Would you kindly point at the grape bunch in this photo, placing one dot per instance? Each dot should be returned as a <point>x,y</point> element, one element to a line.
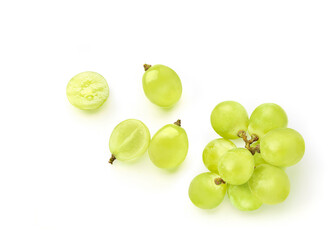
<point>252,175</point>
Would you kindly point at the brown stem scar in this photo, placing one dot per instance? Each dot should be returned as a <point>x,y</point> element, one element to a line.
<point>146,66</point>
<point>113,157</point>
<point>219,181</point>
<point>178,123</point>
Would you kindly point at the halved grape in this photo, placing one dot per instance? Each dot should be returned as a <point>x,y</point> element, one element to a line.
<point>87,90</point>
<point>161,85</point>
<point>207,190</point>
<point>168,147</point>
<point>282,147</point>
<point>213,152</point>
<point>266,117</point>
<point>228,118</point>
<point>129,140</point>
<point>236,166</point>
<point>270,184</point>
<point>242,198</point>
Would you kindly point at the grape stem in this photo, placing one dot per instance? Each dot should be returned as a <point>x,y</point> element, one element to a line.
<point>113,157</point>
<point>146,66</point>
<point>178,123</point>
<point>248,142</point>
<point>219,181</point>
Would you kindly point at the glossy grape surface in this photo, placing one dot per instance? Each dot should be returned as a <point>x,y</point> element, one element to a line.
<point>270,184</point>
<point>266,117</point>
<point>228,118</point>
<point>87,90</point>
<point>258,159</point>
<point>236,166</point>
<point>282,147</point>
<point>162,86</point>
<point>242,198</point>
<point>129,140</point>
<point>168,147</point>
<point>213,152</point>
<point>205,193</point>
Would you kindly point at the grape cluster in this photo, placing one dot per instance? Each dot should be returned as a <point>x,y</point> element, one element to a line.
<point>252,175</point>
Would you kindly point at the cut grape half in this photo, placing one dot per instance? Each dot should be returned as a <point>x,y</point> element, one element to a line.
<point>87,90</point>
<point>129,140</point>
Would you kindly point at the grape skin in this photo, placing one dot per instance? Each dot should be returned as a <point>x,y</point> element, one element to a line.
<point>87,90</point>
<point>205,193</point>
<point>282,147</point>
<point>236,166</point>
<point>129,140</point>
<point>169,146</point>
<point>228,118</point>
<point>162,86</point>
<point>270,184</point>
<point>213,152</point>
<point>266,117</point>
<point>242,198</point>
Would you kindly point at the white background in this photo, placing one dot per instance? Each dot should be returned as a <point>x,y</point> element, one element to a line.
<point>55,180</point>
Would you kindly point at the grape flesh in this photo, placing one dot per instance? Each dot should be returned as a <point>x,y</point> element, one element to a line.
<point>228,118</point>
<point>214,151</point>
<point>242,198</point>
<point>162,86</point>
<point>236,166</point>
<point>87,90</point>
<point>282,147</point>
<point>129,140</point>
<point>270,184</point>
<point>266,117</point>
<point>168,147</point>
<point>204,191</point>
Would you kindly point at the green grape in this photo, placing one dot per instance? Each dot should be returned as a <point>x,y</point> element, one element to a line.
<point>282,147</point>
<point>270,184</point>
<point>236,166</point>
<point>161,85</point>
<point>207,190</point>
<point>242,198</point>
<point>257,156</point>
<point>129,140</point>
<point>267,117</point>
<point>213,152</point>
<point>228,118</point>
<point>168,147</point>
<point>87,90</point>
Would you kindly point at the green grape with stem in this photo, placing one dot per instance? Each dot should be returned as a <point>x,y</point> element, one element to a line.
<point>161,85</point>
<point>228,118</point>
<point>169,146</point>
<point>207,190</point>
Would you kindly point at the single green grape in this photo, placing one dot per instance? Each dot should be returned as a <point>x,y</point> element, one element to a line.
<point>242,198</point>
<point>228,118</point>
<point>161,85</point>
<point>258,159</point>
<point>207,190</point>
<point>266,117</point>
<point>270,184</point>
<point>87,90</point>
<point>129,140</point>
<point>168,147</point>
<point>236,166</point>
<point>213,152</point>
<point>282,147</point>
